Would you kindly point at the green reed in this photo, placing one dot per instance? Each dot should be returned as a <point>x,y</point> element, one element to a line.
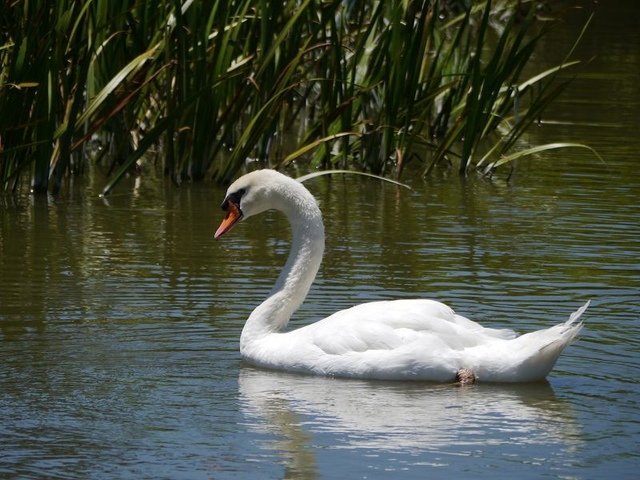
<point>209,85</point>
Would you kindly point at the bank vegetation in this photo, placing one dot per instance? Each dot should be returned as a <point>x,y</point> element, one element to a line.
<point>203,88</point>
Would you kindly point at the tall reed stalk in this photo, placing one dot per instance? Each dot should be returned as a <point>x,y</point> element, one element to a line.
<point>361,85</point>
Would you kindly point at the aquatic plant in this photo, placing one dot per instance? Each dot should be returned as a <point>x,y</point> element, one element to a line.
<point>208,85</point>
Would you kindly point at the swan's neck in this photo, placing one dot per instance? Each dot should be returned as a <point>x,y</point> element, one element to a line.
<point>295,279</point>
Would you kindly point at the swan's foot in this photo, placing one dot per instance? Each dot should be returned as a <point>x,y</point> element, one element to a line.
<point>464,376</point>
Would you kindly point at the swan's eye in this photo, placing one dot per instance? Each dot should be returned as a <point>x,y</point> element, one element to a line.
<point>233,198</point>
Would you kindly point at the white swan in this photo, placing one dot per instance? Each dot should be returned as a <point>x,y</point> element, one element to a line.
<point>393,340</point>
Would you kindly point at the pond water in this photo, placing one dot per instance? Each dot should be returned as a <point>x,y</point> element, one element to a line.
<point>120,317</point>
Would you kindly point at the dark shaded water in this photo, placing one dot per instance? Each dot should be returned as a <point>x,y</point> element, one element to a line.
<point>120,318</point>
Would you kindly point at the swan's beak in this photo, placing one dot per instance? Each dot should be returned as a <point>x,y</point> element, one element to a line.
<point>234,214</point>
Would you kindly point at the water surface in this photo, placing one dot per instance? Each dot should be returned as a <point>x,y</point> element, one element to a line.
<point>120,317</point>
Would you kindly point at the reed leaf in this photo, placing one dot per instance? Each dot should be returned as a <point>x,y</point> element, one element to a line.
<point>313,175</point>
<point>114,83</point>
<point>310,146</point>
<point>542,148</point>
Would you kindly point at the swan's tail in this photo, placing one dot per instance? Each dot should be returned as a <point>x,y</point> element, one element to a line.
<point>548,344</point>
<point>530,357</point>
<point>576,315</point>
<point>566,332</point>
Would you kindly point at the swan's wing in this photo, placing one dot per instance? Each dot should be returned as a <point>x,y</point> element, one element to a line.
<point>395,324</point>
<point>427,310</point>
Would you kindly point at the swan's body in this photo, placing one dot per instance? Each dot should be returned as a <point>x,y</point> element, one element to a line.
<point>393,340</point>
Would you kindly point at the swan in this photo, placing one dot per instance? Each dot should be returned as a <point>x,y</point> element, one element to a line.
<point>388,340</point>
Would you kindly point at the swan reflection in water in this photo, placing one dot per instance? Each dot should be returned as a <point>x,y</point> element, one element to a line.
<point>399,416</point>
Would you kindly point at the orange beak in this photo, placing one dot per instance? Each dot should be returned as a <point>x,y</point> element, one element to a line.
<point>230,219</point>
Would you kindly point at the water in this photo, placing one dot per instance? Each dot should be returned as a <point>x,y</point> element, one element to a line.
<point>120,318</point>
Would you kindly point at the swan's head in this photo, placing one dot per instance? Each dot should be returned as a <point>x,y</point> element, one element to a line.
<point>257,192</point>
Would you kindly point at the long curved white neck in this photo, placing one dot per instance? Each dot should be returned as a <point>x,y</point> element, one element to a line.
<point>295,279</point>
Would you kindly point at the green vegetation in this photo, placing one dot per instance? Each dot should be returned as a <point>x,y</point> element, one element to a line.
<point>340,84</point>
